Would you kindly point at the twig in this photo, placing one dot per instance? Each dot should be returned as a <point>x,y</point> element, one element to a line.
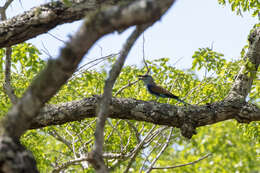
<point>137,134</point>
<point>177,61</point>
<point>57,136</point>
<point>127,144</point>
<point>114,128</point>
<point>101,50</point>
<point>162,150</point>
<point>45,50</point>
<point>198,86</point>
<point>101,58</point>
<point>148,70</point>
<point>82,70</point>
<point>186,164</point>
<point>126,86</point>
<point>143,47</point>
<point>82,159</point>
<point>150,152</point>
<point>57,38</point>
<point>137,149</point>
<point>155,134</point>
<point>69,163</point>
<point>72,143</point>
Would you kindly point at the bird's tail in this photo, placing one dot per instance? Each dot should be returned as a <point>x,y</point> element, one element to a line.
<point>182,101</point>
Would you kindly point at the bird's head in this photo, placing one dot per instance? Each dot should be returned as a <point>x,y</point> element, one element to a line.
<point>146,78</point>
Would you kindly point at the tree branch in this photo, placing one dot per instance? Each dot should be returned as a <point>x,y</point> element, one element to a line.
<point>103,110</point>
<point>126,86</point>
<point>7,85</point>
<point>8,53</point>
<point>157,113</point>
<point>43,18</point>
<point>4,8</point>
<point>137,149</point>
<point>186,164</point>
<point>161,151</point>
<point>243,82</point>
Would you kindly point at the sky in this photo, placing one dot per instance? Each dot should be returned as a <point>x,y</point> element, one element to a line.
<point>187,26</point>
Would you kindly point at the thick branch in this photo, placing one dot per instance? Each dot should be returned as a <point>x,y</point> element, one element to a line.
<point>43,18</point>
<point>157,113</point>
<point>243,82</point>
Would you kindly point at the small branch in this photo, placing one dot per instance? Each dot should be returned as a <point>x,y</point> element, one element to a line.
<point>7,85</point>
<point>137,149</point>
<point>146,65</point>
<point>114,128</point>
<point>186,164</point>
<point>82,159</point>
<point>57,38</point>
<point>126,86</point>
<point>162,150</point>
<point>150,152</point>
<point>155,134</point>
<point>137,134</point>
<point>82,69</point>
<point>57,136</point>
<point>73,142</point>
<point>4,8</point>
<point>97,160</point>
<point>7,4</point>
<point>69,163</point>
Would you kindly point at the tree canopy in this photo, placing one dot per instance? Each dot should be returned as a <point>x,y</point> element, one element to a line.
<point>58,116</point>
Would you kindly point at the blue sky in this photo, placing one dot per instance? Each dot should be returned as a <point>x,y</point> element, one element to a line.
<point>187,26</point>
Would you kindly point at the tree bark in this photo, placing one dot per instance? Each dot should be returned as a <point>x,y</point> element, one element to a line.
<point>43,18</point>
<point>157,113</point>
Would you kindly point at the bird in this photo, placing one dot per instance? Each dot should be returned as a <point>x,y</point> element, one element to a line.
<point>157,90</point>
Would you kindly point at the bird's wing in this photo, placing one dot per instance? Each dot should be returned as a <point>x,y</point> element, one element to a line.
<point>160,91</point>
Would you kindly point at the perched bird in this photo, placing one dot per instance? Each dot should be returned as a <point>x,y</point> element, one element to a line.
<point>157,90</point>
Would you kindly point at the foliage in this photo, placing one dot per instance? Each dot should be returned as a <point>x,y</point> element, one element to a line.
<point>234,147</point>
<point>243,5</point>
<point>26,63</point>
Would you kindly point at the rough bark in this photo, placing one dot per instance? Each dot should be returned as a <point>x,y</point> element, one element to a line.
<point>15,158</point>
<point>157,113</point>
<point>43,18</point>
<point>243,82</point>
